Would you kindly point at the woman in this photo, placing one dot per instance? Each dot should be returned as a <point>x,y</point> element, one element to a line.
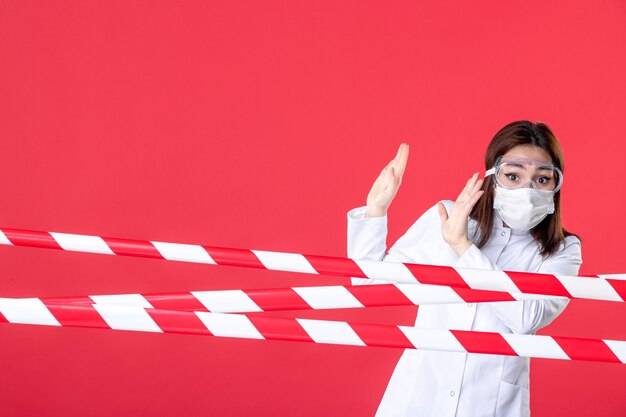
<point>508,221</point>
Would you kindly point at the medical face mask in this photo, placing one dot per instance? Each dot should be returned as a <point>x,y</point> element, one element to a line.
<point>523,208</point>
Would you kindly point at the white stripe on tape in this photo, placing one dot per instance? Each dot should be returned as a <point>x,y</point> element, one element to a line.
<point>229,325</point>
<point>293,262</point>
<point>328,297</point>
<point>487,279</point>
<point>4,240</point>
<point>535,345</point>
<point>183,252</point>
<point>613,276</point>
<point>127,318</point>
<point>27,311</point>
<point>389,271</point>
<point>226,301</point>
<point>429,294</point>
<point>598,289</point>
<point>367,281</point>
<point>432,339</point>
<point>130,300</point>
<point>618,347</point>
<point>331,332</point>
<point>520,296</point>
<point>82,243</point>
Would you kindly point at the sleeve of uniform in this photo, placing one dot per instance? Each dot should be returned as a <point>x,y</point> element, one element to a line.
<point>367,239</point>
<point>527,317</point>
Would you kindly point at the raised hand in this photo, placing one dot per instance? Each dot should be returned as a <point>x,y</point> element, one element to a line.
<point>454,225</point>
<point>386,185</point>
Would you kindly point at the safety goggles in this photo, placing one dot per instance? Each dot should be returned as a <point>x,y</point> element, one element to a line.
<point>515,173</point>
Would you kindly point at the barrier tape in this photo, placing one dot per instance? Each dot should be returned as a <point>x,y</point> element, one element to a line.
<point>33,311</point>
<point>294,298</point>
<point>509,282</point>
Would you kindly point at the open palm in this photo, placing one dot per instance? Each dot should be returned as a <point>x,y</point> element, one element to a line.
<point>387,184</point>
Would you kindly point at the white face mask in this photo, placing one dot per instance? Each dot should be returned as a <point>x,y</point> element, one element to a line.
<point>523,208</point>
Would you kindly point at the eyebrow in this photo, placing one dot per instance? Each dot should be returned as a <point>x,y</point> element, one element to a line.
<point>546,167</point>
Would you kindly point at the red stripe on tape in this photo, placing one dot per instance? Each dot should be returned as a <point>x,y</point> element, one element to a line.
<point>178,322</point>
<point>381,335</point>
<point>538,284</point>
<point>586,349</point>
<point>619,286</point>
<point>31,238</point>
<point>277,299</point>
<point>234,257</point>
<point>482,296</point>
<point>335,266</point>
<point>175,301</point>
<point>280,329</point>
<point>379,295</point>
<point>129,247</point>
<point>437,275</point>
<point>81,314</point>
<point>84,301</point>
<point>483,342</point>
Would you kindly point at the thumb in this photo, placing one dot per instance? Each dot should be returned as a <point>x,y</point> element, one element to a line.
<point>443,213</point>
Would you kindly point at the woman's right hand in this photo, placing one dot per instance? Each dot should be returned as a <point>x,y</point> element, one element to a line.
<point>386,185</point>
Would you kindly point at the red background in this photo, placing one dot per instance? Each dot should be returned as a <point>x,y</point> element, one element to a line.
<point>259,125</point>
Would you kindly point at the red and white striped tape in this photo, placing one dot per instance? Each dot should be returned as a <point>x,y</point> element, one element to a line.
<point>509,282</point>
<point>118,317</point>
<point>294,298</point>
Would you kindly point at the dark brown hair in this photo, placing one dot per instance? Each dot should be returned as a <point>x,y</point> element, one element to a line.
<point>550,232</point>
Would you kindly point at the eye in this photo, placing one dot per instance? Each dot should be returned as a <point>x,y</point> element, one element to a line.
<point>543,180</point>
<point>512,177</point>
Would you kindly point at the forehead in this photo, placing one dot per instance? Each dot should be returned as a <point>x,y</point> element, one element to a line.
<point>528,152</point>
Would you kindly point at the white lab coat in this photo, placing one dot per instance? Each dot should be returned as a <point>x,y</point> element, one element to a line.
<point>446,384</point>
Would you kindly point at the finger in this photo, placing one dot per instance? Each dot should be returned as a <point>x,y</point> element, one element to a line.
<point>392,174</point>
<point>477,186</point>
<point>472,202</point>
<point>400,149</point>
<point>466,192</point>
<point>383,178</point>
<point>472,197</point>
<point>403,158</point>
<point>443,213</point>
<point>395,178</point>
<point>396,159</point>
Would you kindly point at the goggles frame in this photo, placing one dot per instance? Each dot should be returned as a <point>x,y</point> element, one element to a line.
<point>499,163</point>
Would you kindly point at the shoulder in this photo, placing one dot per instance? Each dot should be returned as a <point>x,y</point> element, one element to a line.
<point>570,248</point>
<point>571,245</point>
<point>571,240</point>
<point>432,214</point>
<point>426,223</point>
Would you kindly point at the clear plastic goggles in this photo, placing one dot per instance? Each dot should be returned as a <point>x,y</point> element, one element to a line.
<point>515,173</point>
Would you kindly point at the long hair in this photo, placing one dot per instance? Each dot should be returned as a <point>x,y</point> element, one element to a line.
<point>550,232</point>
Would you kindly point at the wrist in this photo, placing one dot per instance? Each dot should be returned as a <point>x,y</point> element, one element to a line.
<point>375,212</point>
<point>461,247</point>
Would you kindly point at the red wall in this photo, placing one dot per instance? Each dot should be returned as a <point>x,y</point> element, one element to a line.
<point>259,125</point>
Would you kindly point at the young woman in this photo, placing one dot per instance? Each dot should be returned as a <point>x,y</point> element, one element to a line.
<point>510,220</point>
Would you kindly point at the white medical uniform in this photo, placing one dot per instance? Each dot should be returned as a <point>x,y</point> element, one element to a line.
<point>446,384</point>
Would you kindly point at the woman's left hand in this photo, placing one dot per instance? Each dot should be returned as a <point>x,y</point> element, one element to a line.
<point>454,225</point>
